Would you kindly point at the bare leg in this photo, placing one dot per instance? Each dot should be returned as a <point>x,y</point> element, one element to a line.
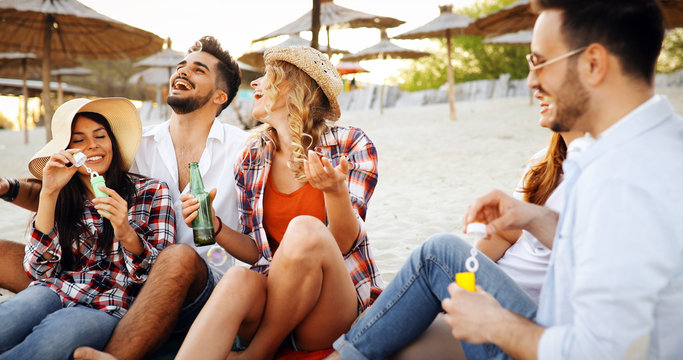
<point>309,291</point>
<point>178,277</point>
<point>237,303</point>
<point>12,275</point>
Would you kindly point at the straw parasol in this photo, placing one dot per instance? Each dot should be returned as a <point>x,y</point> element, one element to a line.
<point>73,71</point>
<point>24,65</point>
<point>384,49</point>
<point>522,37</point>
<point>447,24</point>
<point>255,58</point>
<point>165,61</point>
<point>334,16</point>
<point>67,29</point>
<point>518,16</point>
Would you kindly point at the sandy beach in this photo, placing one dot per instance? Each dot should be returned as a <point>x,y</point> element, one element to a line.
<point>430,168</point>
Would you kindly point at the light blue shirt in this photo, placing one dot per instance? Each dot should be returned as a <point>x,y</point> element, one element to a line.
<point>615,285</point>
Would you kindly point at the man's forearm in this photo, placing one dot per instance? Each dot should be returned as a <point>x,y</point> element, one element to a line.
<point>544,226</point>
<point>518,336</point>
<point>23,192</point>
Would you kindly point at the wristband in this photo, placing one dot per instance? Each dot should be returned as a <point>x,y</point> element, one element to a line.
<point>12,192</point>
<point>220,226</point>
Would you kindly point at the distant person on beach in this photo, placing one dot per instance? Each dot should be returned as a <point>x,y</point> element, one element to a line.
<point>204,83</point>
<point>88,253</point>
<point>613,288</point>
<point>304,186</point>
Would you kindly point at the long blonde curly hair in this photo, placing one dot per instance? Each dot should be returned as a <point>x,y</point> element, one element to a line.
<point>308,109</point>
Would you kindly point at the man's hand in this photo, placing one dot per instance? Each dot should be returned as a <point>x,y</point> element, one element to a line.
<point>503,212</point>
<point>472,315</point>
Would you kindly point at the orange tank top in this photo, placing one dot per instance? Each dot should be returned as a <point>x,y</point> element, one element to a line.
<point>280,208</point>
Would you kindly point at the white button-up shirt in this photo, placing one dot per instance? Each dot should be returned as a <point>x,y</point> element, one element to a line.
<point>156,158</point>
<point>615,285</point>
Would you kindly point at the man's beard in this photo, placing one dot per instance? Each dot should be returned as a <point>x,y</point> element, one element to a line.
<point>571,103</point>
<point>187,105</point>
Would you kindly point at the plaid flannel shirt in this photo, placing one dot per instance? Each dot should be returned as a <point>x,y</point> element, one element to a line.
<point>105,281</point>
<point>251,171</point>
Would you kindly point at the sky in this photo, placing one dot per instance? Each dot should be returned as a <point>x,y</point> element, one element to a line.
<point>236,22</point>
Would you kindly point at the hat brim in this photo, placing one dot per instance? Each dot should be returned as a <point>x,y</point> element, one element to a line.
<point>316,65</point>
<point>123,119</point>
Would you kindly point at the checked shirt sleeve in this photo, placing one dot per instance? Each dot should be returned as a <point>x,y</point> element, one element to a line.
<point>36,264</point>
<point>153,220</point>
<point>362,178</point>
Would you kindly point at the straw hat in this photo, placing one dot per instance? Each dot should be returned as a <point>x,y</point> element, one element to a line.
<point>123,118</point>
<point>316,65</point>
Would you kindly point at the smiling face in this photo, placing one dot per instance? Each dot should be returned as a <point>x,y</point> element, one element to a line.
<point>193,84</point>
<point>265,95</point>
<point>92,139</point>
<point>564,99</point>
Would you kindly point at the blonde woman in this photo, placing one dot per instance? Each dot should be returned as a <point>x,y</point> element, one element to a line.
<point>303,186</point>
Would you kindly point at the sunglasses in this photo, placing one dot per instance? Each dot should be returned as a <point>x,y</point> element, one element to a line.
<point>535,64</point>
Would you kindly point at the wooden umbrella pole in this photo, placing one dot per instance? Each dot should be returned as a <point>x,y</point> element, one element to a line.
<point>449,72</point>
<point>381,93</point>
<point>60,92</point>
<point>24,92</point>
<point>47,48</point>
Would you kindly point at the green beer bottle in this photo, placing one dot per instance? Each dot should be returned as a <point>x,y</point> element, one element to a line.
<point>202,225</point>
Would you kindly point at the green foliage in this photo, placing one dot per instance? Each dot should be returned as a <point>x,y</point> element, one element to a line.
<point>109,78</point>
<point>671,58</point>
<point>472,58</point>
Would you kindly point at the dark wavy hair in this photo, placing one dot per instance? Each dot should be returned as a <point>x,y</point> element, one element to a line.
<point>69,209</point>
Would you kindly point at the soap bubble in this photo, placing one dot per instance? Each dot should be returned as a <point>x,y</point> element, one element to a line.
<point>216,255</point>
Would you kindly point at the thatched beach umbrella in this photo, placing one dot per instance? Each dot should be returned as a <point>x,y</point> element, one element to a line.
<point>350,67</point>
<point>384,49</point>
<point>522,37</point>
<point>334,16</point>
<point>446,25</point>
<point>255,58</point>
<point>73,71</point>
<point>518,16</point>
<point>18,64</point>
<point>165,60</point>
<point>67,29</point>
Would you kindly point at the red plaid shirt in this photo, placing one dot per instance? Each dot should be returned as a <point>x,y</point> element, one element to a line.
<point>251,171</point>
<point>105,281</point>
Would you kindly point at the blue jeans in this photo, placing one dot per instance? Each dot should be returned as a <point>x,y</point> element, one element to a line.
<point>412,300</point>
<point>36,326</point>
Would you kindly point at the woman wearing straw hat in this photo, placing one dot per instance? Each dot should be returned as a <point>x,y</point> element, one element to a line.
<point>303,186</point>
<point>88,255</point>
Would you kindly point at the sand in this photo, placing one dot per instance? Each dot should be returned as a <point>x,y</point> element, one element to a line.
<point>430,168</point>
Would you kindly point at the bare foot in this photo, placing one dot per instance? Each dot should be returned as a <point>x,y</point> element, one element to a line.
<point>88,353</point>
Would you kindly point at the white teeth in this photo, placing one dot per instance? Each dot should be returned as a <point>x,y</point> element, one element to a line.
<point>94,158</point>
<point>181,85</point>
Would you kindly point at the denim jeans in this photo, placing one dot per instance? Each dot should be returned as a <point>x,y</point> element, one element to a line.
<point>412,300</point>
<point>36,326</point>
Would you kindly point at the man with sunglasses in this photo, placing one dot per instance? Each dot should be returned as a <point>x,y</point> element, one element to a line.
<point>181,280</point>
<point>614,288</point>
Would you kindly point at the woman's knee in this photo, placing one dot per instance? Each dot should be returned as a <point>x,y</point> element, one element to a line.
<point>305,237</point>
<point>237,279</point>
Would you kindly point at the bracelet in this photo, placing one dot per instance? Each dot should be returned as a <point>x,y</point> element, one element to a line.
<point>220,226</point>
<point>13,191</point>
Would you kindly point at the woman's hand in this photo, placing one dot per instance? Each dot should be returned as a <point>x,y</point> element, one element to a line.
<point>190,206</point>
<point>115,209</point>
<point>322,176</point>
<point>55,173</point>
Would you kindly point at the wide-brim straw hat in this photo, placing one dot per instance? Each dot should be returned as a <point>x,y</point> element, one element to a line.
<point>316,65</point>
<point>123,119</point>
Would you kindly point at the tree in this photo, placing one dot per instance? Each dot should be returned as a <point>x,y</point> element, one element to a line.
<point>472,58</point>
<point>671,58</point>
